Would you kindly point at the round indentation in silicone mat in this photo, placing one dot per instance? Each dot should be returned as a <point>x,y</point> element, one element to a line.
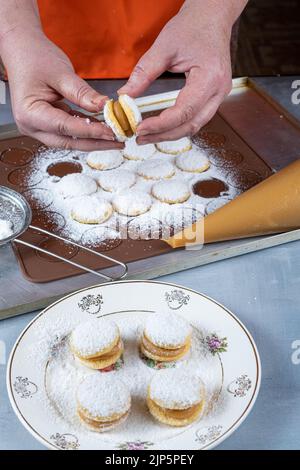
<point>61,169</point>
<point>210,139</point>
<point>48,220</point>
<point>38,198</point>
<point>101,238</point>
<point>24,178</point>
<point>243,179</point>
<point>16,156</point>
<point>225,158</point>
<point>58,247</point>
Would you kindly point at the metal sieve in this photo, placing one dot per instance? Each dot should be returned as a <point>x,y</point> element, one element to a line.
<point>15,209</point>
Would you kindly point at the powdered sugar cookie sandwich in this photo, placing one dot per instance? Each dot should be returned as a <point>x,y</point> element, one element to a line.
<point>194,161</point>
<point>116,180</point>
<point>97,343</point>
<point>132,203</point>
<point>105,159</point>
<point>133,151</point>
<point>175,147</point>
<point>103,402</point>
<point>166,337</point>
<point>91,210</point>
<point>76,184</point>
<point>122,116</point>
<point>171,192</point>
<point>175,397</point>
<point>156,169</point>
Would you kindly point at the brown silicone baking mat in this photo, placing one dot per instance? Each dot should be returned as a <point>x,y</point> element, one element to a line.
<point>242,169</point>
<point>251,134</point>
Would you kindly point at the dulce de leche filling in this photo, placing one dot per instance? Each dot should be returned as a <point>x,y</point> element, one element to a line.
<point>100,424</point>
<point>180,414</point>
<point>152,348</point>
<point>122,118</point>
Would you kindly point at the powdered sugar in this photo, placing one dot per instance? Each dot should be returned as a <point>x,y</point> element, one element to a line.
<point>105,159</point>
<point>156,169</point>
<point>75,185</point>
<point>103,395</point>
<point>167,329</point>
<point>176,389</point>
<point>46,194</point>
<point>6,229</point>
<point>93,336</point>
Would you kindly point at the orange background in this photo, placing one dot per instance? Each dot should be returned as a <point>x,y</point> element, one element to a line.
<point>105,38</point>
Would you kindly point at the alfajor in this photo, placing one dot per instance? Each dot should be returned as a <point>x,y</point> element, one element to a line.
<point>176,397</point>
<point>166,337</point>
<point>103,402</point>
<point>97,343</point>
<point>122,116</point>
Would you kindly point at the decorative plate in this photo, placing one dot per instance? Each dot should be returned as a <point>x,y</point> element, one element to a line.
<point>42,374</point>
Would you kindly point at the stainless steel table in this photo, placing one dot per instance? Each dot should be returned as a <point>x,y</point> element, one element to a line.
<point>262,288</point>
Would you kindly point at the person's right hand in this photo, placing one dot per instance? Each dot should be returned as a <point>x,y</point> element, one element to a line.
<point>40,76</point>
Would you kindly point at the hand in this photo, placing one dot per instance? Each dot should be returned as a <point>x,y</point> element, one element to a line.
<point>198,44</point>
<point>40,75</point>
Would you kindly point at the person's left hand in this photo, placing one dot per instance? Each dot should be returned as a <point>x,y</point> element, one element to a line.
<point>197,43</point>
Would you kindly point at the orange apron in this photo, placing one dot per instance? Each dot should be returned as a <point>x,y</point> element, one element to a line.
<point>105,38</point>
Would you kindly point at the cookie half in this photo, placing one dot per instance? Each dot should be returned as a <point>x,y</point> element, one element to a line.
<point>91,210</point>
<point>175,147</point>
<point>194,161</point>
<point>105,159</point>
<point>94,338</point>
<point>156,169</point>
<point>132,203</point>
<point>171,191</point>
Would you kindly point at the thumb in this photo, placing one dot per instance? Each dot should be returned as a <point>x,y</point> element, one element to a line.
<point>149,67</point>
<point>79,92</point>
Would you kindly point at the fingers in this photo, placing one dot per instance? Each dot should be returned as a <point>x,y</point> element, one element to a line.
<point>68,143</point>
<point>192,98</point>
<point>188,129</point>
<point>79,92</point>
<point>149,67</point>
<point>53,120</point>
<point>195,105</point>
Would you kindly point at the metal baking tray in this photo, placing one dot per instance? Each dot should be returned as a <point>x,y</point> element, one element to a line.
<point>259,122</point>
